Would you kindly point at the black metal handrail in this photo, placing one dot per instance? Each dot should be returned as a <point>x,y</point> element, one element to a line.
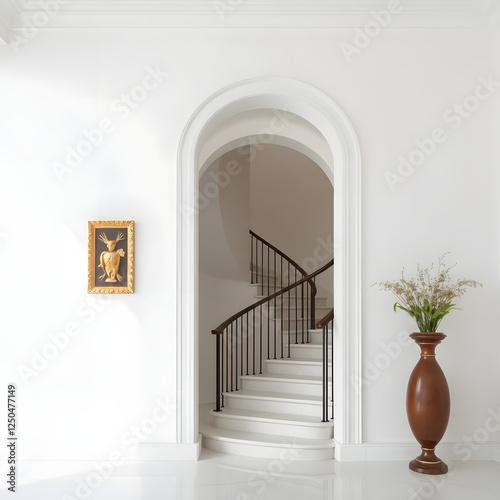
<point>233,337</point>
<point>325,320</point>
<point>289,262</point>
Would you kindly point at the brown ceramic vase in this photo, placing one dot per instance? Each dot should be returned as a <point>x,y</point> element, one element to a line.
<point>428,404</point>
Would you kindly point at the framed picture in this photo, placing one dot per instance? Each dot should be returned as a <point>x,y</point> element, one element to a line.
<point>111,257</point>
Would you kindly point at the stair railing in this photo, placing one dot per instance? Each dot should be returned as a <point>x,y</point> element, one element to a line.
<point>273,260</point>
<point>324,324</point>
<point>240,342</point>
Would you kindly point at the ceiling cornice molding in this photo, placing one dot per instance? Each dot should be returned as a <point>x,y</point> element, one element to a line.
<point>255,14</point>
<point>198,7</point>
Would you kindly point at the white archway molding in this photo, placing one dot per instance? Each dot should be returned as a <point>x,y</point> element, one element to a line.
<point>318,109</point>
<point>262,126</point>
<point>277,139</point>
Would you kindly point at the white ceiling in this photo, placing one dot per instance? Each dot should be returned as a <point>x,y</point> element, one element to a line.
<point>241,13</point>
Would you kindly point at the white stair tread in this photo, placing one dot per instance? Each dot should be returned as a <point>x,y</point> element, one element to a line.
<point>294,469</point>
<point>305,319</point>
<point>292,304</point>
<point>293,317</point>
<point>271,285</point>
<point>296,361</point>
<point>308,345</point>
<point>299,340</point>
<point>292,296</point>
<point>265,276</point>
<point>275,396</point>
<point>267,416</point>
<point>316,338</point>
<point>316,344</point>
<point>279,377</point>
<point>317,331</point>
<point>256,439</point>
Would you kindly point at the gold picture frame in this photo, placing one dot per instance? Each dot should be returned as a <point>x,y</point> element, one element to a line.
<point>111,256</point>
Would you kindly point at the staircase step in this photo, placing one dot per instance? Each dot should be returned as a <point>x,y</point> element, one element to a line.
<point>320,311</point>
<point>285,324</point>
<point>272,288</point>
<point>260,279</point>
<point>272,272</point>
<point>309,351</point>
<point>290,470</point>
<point>320,301</point>
<point>273,423</point>
<point>315,336</point>
<point>294,366</point>
<point>253,444</point>
<point>286,384</point>
<point>275,402</point>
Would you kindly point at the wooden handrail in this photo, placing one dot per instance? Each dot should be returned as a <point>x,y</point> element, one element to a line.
<point>220,329</point>
<point>289,259</point>
<point>325,320</point>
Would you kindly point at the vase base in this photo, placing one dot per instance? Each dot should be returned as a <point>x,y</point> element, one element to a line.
<point>433,469</point>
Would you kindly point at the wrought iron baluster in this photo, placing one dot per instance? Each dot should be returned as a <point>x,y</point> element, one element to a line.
<point>268,272</point>
<point>232,351</point>
<point>217,374</point>
<point>247,334</point>
<point>313,306</point>
<point>296,311</point>
<point>260,343</point>
<point>251,259</point>
<point>332,370</point>
<point>253,342</point>
<point>302,314</point>
<point>262,267</point>
<point>281,317</point>
<point>274,309</point>
<point>227,359</point>
<point>257,259</point>
<point>222,363</point>
<point>268,330</point>
<point>325,373</point>
<point>308,312</point>
<point>289,329</point>
<point>236,356</point>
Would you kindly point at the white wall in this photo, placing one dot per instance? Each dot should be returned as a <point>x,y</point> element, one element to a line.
<point>292,208</point>
<point>224,217</point>
<point>396,91</point>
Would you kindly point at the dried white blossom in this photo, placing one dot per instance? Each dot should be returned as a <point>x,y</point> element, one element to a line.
<point>428,298</point>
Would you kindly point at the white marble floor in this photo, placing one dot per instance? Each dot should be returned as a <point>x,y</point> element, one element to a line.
<point>218,476</point>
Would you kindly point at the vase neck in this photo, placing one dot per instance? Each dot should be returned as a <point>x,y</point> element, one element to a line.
<point>428,342</point>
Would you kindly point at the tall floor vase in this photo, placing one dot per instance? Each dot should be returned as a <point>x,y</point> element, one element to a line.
<point>428,404</point>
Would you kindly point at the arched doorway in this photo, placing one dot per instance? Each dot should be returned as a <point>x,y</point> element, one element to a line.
<point>322,113</point>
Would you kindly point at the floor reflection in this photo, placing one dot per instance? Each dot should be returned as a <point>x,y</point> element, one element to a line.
<point>218,476</point>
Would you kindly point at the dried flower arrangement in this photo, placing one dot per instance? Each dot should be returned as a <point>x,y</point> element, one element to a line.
<point>426,298</point>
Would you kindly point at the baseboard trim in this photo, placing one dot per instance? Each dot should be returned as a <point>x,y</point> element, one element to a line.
<point>143,453</point>
<point>381,452</point>
<point>154,452</point>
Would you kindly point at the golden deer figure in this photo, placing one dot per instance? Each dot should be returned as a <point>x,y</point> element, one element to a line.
<point>110,261</point>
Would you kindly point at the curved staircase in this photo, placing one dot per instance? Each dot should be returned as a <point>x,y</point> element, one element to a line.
<point>274,368</point>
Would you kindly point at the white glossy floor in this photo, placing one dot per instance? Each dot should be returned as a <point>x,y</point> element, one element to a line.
<point>225,477</point>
